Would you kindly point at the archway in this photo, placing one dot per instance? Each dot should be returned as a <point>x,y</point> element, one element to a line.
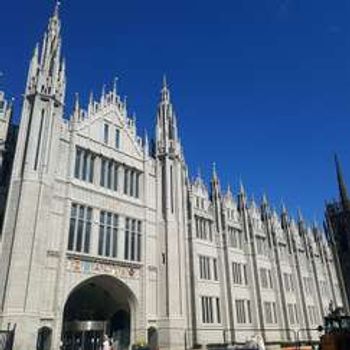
<point>101,305</point>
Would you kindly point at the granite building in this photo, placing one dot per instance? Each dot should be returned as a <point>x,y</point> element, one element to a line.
<point>104,234</point>
<point>338,230</point>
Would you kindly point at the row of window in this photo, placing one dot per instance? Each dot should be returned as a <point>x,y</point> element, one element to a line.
<point>231,214</point>
<point>261,246</point>
<point>204,228</point>
<point>239,274</point>
<point>211,312</point>
<point>235,238</point>
<point>208,268</point>
<point>266,278</point>
<point>288,282</point>
<point>243,311</point>
<point>106,128</point>
<point>324,288</point>
<point>132,246</point>
<point>84,165</point>
<point>284,253</point>
<point>200,203</point>
<point>313,317</point>
<point>110,235</point>
<point>111,172</point>
<point>80,228</point>
<point>308,285</point>
<point>293,314</point>
<point>270,312</point>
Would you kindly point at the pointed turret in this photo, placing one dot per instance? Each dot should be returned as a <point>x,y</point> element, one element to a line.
<point>115,92</point>
<point>242,200</point>
<point>229,191</point>
<point>47,73</point>
<point>215,183</point>
<point>76,113</point>
<point>166,131</point>
<point>253,203</point>
<point>103,95</point>
<point>284,215</point>
<point>146,145</point>
<point>343,193</point>
<point>264,200</point>
<point>284,210</point>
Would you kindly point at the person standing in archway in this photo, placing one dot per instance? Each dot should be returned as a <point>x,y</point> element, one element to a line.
<point>106,345</point>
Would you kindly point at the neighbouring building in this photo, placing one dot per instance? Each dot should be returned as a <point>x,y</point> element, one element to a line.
<point>337,227</point>
<point>104,233</point>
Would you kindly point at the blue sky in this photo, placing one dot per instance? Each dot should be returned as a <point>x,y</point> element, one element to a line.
<point>261,87</point>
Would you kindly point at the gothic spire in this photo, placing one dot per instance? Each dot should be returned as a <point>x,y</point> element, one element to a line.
<point>47,69</point>
<point>167,131</point>
<point>76,113</point>
<point>264,200</point>
<point>165,93</point>
<point>241,187</point>
<point>283,208</point>
<point>300,216</point>
<point>57,9</point>
<point>344,198</point>
<point>214,174</point>
<point>215,183</point>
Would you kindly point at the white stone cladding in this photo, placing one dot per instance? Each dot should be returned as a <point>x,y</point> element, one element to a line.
<point>204,267</point>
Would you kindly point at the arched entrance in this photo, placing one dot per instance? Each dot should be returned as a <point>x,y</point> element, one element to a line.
<point>101,305</point>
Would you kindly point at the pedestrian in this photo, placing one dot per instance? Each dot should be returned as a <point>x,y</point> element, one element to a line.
<point>106,345</point>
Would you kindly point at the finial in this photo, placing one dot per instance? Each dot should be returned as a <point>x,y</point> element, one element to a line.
<point>91,98</point>
<point>57,9</point>
<point>76,113</point>
<point>165,91</point>
<point>253,201</point>
<point>199,173</point>
<point>300,215</point>
<point>103,94</point>
<point>115,86</point>
<point>215,175</point>
<point>91,103</point>
<point>125,102</point>
<point>283,207</point>
<point>76,103</point>
<point>165,84</point>
<point>264,199</point>
<point>146,144</point>
<point>229,192</point>
<point>241,187</point>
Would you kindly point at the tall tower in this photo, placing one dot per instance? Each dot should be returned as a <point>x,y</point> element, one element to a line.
<point>172,198</point>
<point>5,116</point>
<point>343,192</point>
<point>338,228</point>
<point>7,144</point>
<point>24,235</point>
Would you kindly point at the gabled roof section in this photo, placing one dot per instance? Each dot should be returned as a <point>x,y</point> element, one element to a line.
<point>110,110</point>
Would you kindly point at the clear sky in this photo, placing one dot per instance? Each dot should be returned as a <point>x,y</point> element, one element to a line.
<point>261,87</point>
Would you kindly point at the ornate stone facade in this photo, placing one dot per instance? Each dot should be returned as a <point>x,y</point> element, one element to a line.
<point>99,227</point>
